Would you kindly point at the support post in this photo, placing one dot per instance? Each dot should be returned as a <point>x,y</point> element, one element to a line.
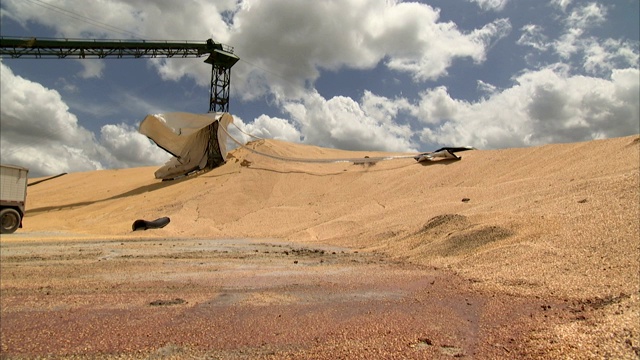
<point>221,61</point>
<point>220,84</point>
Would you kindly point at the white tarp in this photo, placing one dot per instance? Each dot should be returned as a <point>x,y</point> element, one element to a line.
<point>187,137</point>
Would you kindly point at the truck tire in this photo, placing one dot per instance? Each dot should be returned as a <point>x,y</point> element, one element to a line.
<point>9,221</point>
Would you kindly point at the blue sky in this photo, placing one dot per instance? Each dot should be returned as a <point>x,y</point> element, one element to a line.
<point>350,74</point>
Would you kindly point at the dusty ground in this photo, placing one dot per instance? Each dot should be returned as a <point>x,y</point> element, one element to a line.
<point>257,299</point>
<point>516,253</point>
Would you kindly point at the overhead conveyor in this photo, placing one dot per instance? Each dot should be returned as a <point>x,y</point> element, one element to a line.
<point>221,57</point>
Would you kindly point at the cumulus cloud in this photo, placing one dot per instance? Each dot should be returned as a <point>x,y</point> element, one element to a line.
<point>341,122</point>
<point>292,40</point>
<point>39,132</point>
<point>128,148</point>
<point>267,127</point>
<point>382,109</point>
<point>546,106</point>
<point>437,55</point>
<point>309,36</point>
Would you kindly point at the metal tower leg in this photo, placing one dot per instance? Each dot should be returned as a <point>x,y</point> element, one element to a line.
<point>220,83</point>
<point>219,102</point>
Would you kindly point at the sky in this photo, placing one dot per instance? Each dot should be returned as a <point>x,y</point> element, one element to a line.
<point>376,75</point>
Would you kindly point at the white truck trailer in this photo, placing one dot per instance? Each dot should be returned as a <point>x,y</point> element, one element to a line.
<point>13,195</point>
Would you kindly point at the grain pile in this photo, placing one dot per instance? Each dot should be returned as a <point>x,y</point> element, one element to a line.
<point>560,220</point>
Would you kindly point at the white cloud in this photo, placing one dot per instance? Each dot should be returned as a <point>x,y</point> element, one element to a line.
<point>601,57</point>
<point>128,148</point>
<point>437,106</point>
<point>442,44</point>
<point>286,42</point>
<point>309,36</point>
<point>568,43</point>
<point>546,106</point>
<point>587,16</point>
<point>577,24</point>
<point>533,36</point>
<point>343,123</point>
<point>150,20</point>
<point>91,68</point>
<point>273,128</point>
<point>382,109</point>
<point>39,132</point>
<point>495,5</point>
<point>576,46</point>
<point>486,88</point>
<point>562,4</point>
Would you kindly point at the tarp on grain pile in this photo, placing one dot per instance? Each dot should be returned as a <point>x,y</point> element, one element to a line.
<point>194,140</point>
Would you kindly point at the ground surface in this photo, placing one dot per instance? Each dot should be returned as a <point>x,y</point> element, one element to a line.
<point>240,299</point>
<point>512,253</point>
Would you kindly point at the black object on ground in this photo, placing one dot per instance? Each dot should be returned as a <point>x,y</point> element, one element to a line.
<point>146,224</point>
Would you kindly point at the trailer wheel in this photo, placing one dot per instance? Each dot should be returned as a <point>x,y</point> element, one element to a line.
<point>9,221</point>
